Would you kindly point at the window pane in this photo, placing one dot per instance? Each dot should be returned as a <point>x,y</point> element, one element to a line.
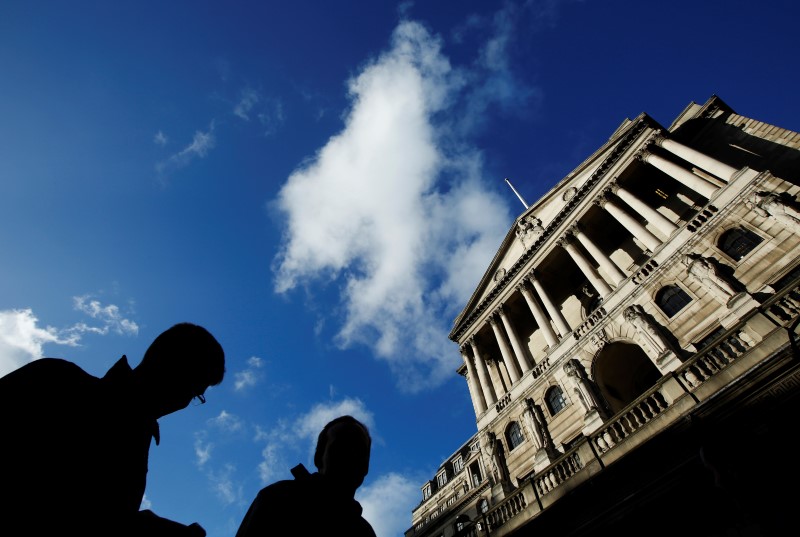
<point>738,242</point>
<point>672,299</point>
<point>555,400</point>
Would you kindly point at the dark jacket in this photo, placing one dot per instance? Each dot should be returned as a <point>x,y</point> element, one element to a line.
<point>304,506</point>
<point>74,452</point>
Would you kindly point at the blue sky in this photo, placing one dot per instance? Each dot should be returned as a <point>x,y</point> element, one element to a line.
<point>320,184</point>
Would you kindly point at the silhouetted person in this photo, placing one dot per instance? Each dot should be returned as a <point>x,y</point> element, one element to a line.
<point>321,503</point>
<point>74,448</point>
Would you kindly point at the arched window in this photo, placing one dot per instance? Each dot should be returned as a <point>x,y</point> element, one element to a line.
<point>514,435</point>
<point>672,299</point>
<point>555,400</point>
<point>738,242</point>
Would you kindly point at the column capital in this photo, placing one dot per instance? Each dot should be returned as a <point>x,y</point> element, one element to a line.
<point>463,349</point>
<point>493,319</point>
<point>657,138</point>
<point>643,155</point>
<point>574,229</point>
<point>500,311</point>
<point>601,200</point>
<point>612,187</point>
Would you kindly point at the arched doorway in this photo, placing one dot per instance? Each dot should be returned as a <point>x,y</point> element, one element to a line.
<point>623,372</point>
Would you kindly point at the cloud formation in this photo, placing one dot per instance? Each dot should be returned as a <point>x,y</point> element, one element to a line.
<point>302,432</point>
<point>248,378</point>
<point>201,144</point>
<point>22,338</point>
<point>109,316</point>
<point>388,502</point>
<point>394,208</point>
<point>247,100</point>
<point>160,139</point>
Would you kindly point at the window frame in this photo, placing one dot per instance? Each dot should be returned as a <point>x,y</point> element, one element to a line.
<point>745,235</point>
<point>514,435</point>
<point>549,399</point>
<point>458,464</point>
<point>661,302</point>
<point>426,491</point>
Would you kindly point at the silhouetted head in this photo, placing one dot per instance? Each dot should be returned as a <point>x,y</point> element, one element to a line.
<point>342,453</point>
<point>180,364</point>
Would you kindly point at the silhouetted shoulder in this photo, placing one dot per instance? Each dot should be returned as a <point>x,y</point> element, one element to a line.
<point>42,380</point>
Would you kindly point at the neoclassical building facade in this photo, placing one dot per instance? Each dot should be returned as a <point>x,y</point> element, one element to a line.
<point>629,350</point>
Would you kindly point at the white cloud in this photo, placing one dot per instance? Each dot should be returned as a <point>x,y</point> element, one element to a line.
<point>202,448</point>
<point>272,116</point>
<point>388,502</point>
<point>390,210</point>
<point>160,139</point>
<point>248,377</point>
<point>224,486</point>
<point>287,439</point>
<point>309,425</point>
<point>227,422</point>
<point>247,100</point>
<point>201,144</point>
<point>21,339</point>
<point>271,463</point>
<point>109,316</point>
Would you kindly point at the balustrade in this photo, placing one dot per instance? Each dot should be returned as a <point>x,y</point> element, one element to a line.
<point>506,510</point>
<point>709,362</point>
<point>630,420</point>
<point>557,473</point>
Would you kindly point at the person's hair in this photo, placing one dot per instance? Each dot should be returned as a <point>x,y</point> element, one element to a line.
<point>190,349</point>
<point>322,439</point>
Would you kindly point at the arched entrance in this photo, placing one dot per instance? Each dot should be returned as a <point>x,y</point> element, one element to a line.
<point>623,372</point>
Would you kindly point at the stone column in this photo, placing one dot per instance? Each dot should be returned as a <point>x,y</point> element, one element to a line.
<point>551,308</point>
<point>539,315</point>
<point>661,222</point>
<point>489,393</point>
<point>630,223</point>
<point>520,353</point>
<point>695,182</point>
<point>588,270</point>
<point>475,389</point>
<point>701,160</point>
<point>508,356</point>
<point>602,259</point>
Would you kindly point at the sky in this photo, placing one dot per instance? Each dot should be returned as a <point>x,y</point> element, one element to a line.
<point>321,185</point>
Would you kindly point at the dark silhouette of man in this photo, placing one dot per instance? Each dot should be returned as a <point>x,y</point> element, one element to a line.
<point>74,449</point>
<point>321,503</point>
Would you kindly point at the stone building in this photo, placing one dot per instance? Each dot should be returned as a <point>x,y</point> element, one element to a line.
<point>630,350</point>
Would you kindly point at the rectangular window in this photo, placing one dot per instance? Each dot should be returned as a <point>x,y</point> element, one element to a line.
<point>441,479</point>
<point>458,464</point>
<point>475,471</point>
<point>426,491</point>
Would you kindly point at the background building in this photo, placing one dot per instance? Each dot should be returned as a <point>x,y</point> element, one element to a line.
<point>629,350</point>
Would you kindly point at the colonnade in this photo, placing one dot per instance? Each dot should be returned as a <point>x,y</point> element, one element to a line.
<point>486,384</point>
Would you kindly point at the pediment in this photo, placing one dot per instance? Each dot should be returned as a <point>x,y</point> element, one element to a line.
<point>533,228</point>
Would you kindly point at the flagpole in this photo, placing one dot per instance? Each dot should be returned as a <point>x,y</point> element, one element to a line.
<point>517,193</point>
